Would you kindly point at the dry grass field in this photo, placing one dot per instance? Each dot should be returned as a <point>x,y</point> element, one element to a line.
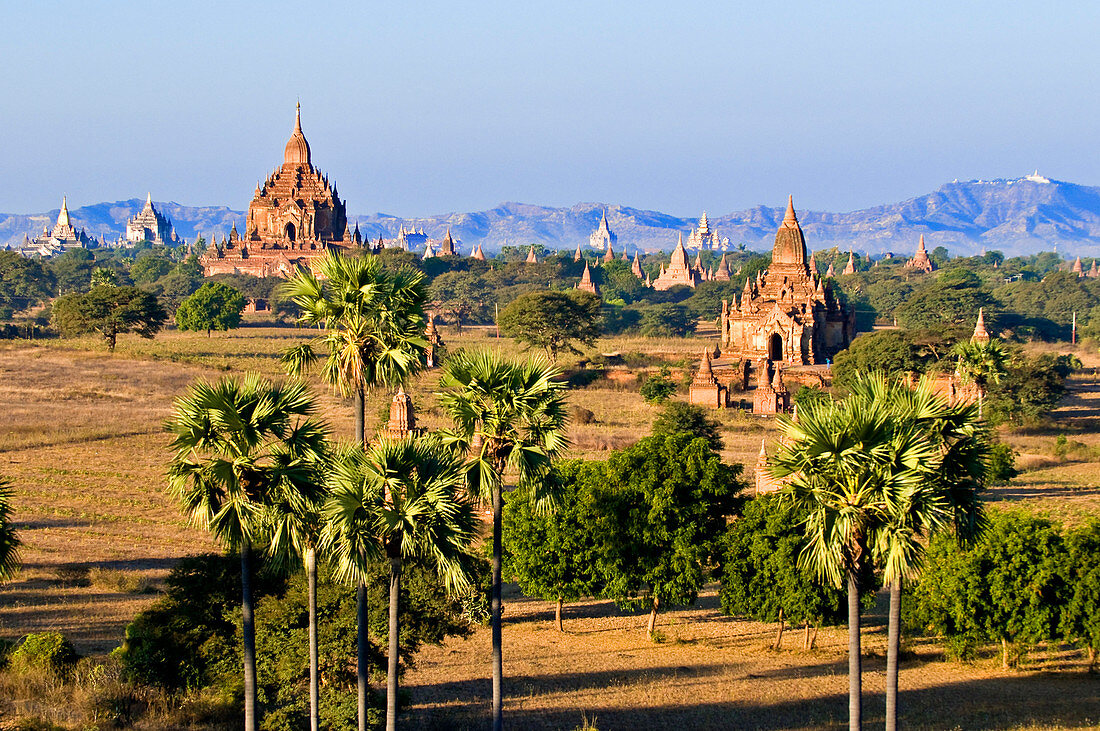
<point>81,439</point>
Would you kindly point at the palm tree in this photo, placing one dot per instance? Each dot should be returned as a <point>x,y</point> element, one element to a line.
<point>9,541</point>
<point>352,542</point>
<point>409,487</point>
<point>509,418</point>
<point>295,528</point>
<point>947,497</point>
<point>981,363</point>
<point>240,445</point>
<point>843,461</point>
<point>373,322</point>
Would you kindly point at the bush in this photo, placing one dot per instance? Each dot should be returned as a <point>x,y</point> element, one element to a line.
<point>659,388</point>
<point>47,651</point>
<point>678,417</point>
<point>1002,463</point>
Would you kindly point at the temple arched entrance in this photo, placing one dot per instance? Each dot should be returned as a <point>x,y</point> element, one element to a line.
<point>290,232</point>
<point>775,347</point>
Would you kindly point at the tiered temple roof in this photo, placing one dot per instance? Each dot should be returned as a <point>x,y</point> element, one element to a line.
<point>920,259</point>
<point>786,313</point>
<point>603,237</point>
<point>678,270</point>
<point>295,216</point>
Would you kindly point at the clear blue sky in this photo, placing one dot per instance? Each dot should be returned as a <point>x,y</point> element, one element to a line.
<point>422,107</point>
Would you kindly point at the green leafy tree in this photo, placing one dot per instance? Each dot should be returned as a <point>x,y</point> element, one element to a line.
<point>1007,587</point>
<point>665,503</point>
<point>666,321</point>
<point>373,324</point>
<point>553,321</point>
<point>467,296</point>
<point>24,282</point>
<point>410,488</point>
<point>238,447</point>
<point>103,277</point>
<point>109,311</point>
<point>891,352</point>
<point>952,298</point>
<point>761,577</point>
<point>72,270</point>
<point>150,267</point>
<point>213,306</point>
<point>1080,617</point>
<point>1029,388</point>
<point>658,388</point>
<point>678,417</point>
<point>553,555</point>
<point>509,418</point>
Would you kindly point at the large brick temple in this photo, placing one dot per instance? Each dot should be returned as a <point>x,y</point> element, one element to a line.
<point>788,313</point>
<point>295,216</point>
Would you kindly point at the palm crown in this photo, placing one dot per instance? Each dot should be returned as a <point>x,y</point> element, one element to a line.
<point>239,446</point>
<point>509,416</point>
<point>398,498</point>
<point>373,319</point>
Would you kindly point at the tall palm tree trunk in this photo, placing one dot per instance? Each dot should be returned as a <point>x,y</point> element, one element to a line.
<point>248,632</point>
<point>360,405</point>
<point>498,657</point>
<point>855,670</point>
<point>314,691</point>
<point>361,653</point>
<point>361,593</point>
<point>391,671</point>
<point>893,648</point>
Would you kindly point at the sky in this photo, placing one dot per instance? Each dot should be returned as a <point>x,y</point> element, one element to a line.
<point>421,108</point>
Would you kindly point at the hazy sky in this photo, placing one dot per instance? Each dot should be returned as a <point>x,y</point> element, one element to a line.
<point>418,108</point>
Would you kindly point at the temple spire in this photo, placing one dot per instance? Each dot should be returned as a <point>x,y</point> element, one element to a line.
<point>981,335</point>
<point>790,219</point>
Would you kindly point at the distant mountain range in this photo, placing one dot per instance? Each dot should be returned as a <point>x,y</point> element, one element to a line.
<point>1018,216</point>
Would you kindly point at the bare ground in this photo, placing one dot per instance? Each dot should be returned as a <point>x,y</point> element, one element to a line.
<point>81,440</point>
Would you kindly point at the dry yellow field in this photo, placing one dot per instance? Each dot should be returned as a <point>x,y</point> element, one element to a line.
<point>81,439</point>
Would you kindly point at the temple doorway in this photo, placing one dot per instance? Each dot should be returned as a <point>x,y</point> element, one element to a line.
<point>775,347</point>
<point>290,232</point>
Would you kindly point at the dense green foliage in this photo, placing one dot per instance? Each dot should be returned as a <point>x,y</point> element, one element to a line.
<point>50,652</point>
<point>760,571</point>
<point>109,311</point>
<point>213,306</point>
<point>1026,580</point>
<point>665,502</point>
<point>553,321</point>
<point>678,417</point>
<point>24,283</point>
<point>659,387</point>
<point>666,321</point>
<point>190,638</point>
<point>554,554</point>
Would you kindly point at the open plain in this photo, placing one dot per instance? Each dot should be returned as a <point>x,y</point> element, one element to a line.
<point>81,440</point>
